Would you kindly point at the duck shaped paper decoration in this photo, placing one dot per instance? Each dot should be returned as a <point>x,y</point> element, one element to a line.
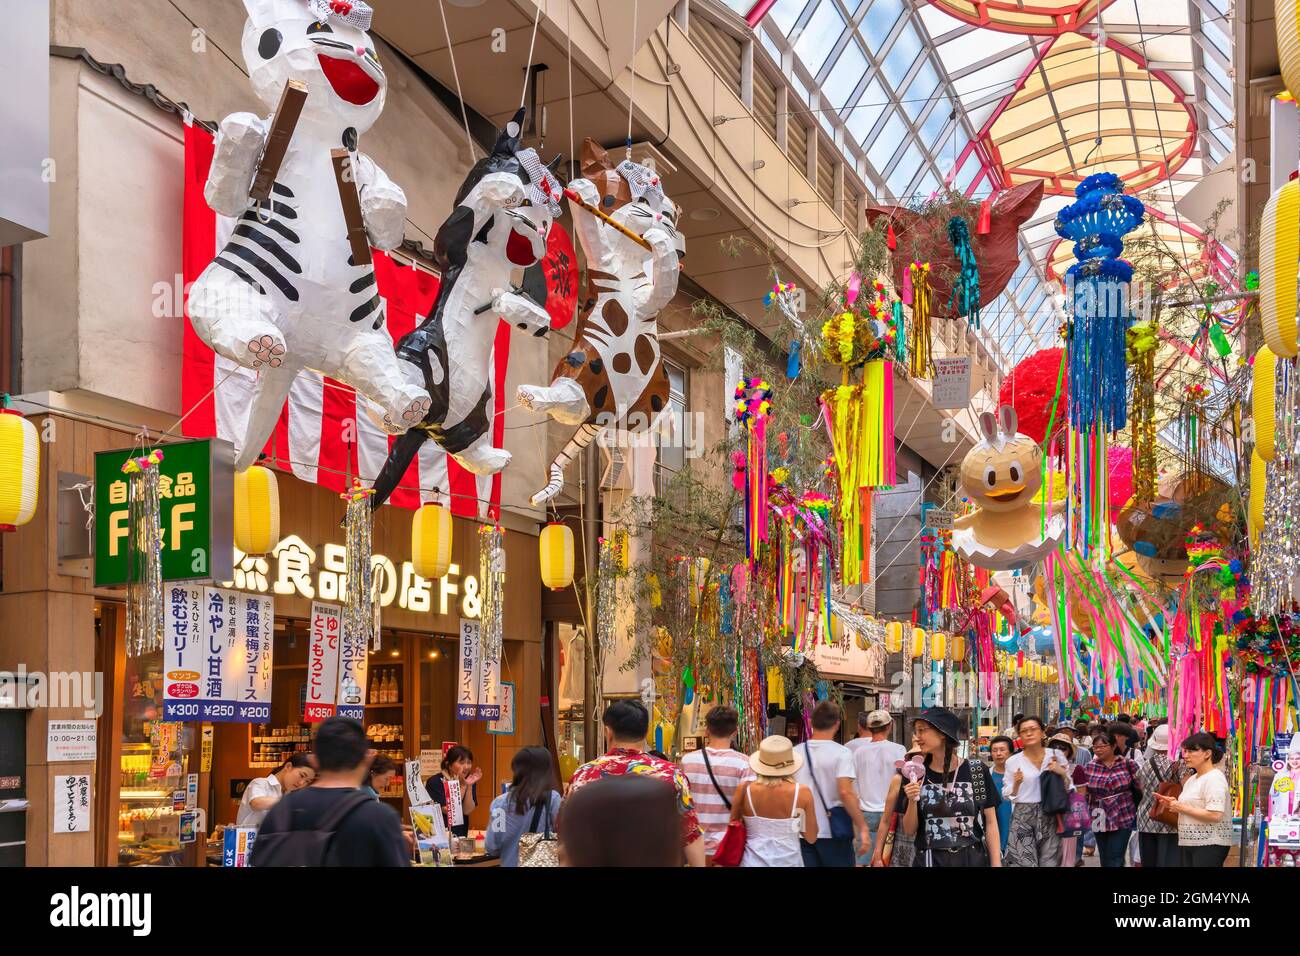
<point>1001,476</point>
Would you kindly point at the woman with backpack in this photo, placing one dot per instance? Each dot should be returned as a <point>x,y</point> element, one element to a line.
<point>530,806</point>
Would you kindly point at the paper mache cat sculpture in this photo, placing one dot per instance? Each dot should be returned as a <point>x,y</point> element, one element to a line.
<point>283,294</point>
<point>614,375</point>
<point>499,223</point>
<point>1001,475</point>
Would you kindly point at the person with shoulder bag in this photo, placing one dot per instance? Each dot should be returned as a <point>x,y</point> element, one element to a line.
<point>521,828</point>
<point>773,816</point>
<point>832,776</point>
<point>1037,781</point>
<point>1157,826</point>
<point>715,773</point>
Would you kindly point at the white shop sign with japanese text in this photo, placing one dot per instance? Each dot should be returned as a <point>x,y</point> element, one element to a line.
<point>70,740</point>
<point>217,655</point>
<point>326,629</point>
<point>71,804</point>
<point>952,382</point>
<point>350,696</point>
<point>468,678</point>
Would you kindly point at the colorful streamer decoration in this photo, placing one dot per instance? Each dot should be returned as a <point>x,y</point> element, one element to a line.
<point>965,298</point>
<point>492,582</point>
<point>1097,222</point>
<point>753,403</point>
<point>921,344</point>
<point>359,611</point>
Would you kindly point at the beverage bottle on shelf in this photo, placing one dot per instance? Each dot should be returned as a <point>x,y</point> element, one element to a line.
<point>392,689</point>
<point>387,693</point>
<point>373,697</point>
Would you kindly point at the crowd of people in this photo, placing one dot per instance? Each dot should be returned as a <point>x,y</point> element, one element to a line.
<point>1047,796</point>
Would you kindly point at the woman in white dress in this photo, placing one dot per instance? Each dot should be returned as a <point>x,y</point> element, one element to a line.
<point>776,810</point>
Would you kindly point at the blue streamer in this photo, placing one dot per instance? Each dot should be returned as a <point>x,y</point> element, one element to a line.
<point>792,366</point>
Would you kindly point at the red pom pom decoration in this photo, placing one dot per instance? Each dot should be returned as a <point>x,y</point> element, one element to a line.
<point>1029,389</point>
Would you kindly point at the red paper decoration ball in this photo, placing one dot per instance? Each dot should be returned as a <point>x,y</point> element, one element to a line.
<point>1029,389</point>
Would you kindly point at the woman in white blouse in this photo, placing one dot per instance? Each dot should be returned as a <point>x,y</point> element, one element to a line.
<point>1204,807</point>
<point>1034,839</point>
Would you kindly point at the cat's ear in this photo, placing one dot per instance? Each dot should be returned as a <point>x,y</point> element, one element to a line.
<point>508,141</point>
<point>594,159</point>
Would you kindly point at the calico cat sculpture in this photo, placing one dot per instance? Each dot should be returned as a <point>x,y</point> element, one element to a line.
<point>614,375</point>
<point>283,294</point>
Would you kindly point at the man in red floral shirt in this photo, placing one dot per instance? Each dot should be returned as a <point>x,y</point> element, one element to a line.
<point>626,724</point>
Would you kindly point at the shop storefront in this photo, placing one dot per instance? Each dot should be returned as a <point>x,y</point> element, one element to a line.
<point>148,776</point>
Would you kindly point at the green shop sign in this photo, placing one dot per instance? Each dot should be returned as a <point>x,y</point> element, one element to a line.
<point>196,488</point>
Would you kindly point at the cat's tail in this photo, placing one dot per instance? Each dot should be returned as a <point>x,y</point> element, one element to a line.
<point>580,440</point>
<point>399,459</point>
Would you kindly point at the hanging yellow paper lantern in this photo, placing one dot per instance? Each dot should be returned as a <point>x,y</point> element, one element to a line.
<point>1279,262</point>
<point>1286,20</point>
<point>431,541</point>
<point>894,637</point>
<point>257,510</point>
<point>1261,401</point>
<point>20,469</point>
<point>555,554</point>
<point>939,645</point>
<point>959,647</point>
<point>1009,666</point>
<point>652,586</point>
<point>916,648</point>
<point>1258,477</point>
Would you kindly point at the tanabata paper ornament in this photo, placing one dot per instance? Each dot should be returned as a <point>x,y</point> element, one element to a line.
<point>1258,483</point>
<point>965,299</point>
<point>257,510</point>
<point>922,238</point>
<point>1097,222</point>
<point>614,375</point>
<point>1119,467</point>
<point>286,292</point>
<point>1279,249</point>
<point>1001,475</point>
<point>503,215</point>
<point>431,538</point>
<point>1031,389</point>
<point>20,469</point>
<point>1263,402</point>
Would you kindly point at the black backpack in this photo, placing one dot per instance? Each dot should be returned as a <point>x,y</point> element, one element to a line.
<point>296,847</point>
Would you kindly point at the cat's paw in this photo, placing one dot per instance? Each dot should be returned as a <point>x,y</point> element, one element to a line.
<point>267,349</point>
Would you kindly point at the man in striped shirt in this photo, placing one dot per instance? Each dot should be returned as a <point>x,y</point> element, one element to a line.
<point>715,773</point>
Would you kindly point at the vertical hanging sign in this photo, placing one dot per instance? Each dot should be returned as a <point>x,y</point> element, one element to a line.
<point>469,678</point>
<point>489,690</point>
<point>217,655</point>
<point>351,690</point>
<point>182,652</point>
<point>322,662</point>
<point>253,659</point>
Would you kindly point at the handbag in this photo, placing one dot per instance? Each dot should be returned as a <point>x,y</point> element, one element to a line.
<point>841,822</point>
<point>1054,797</point>
<point>1169,787</point>
<point>731,848</point>
<point>539,849</point>
<point>1078,819</point>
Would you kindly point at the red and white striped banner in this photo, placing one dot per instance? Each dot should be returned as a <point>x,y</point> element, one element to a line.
<point>322,436</point>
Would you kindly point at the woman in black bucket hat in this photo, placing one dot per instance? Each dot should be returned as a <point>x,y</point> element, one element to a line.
<point>953,809</point>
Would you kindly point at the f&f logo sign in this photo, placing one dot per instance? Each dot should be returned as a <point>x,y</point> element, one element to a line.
<point>75,909</point>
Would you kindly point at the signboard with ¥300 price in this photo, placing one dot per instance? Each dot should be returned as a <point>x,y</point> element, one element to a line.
<point>196,498</point>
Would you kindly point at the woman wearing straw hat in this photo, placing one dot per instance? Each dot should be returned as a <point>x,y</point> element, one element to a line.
<point>774,807</point>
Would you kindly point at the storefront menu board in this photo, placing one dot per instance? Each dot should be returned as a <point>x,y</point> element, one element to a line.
<point>196,491</point>
<point>478,682</point>
<point>952,382</point>
<point>217,655</point>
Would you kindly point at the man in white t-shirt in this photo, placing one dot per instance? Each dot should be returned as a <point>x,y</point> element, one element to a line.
<point>873,761</point>
<point>828,771</point>
<point>715,773</point>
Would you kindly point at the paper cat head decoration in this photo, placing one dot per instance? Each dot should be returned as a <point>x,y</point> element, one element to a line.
<point>324,45</point>
<point>1005,470</point>
<point>631,194</point>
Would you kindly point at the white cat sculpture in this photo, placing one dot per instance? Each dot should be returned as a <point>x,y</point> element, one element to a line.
<point>284,294</point>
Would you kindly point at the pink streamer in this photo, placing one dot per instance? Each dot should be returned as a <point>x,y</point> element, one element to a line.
<point>907,286</point>
<point>851,291</point>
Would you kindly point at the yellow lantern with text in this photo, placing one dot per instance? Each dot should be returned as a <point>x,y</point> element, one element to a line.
<point>20,469</point>
<point>257,510</point>
<point>1263,394</point>
<point>555,555</point>
<point>916,648</point>
<point>894,637</point>
<point>1279,263</point>
<point>939,645</point>
<point>431,541</point>
<point>1286,21</point>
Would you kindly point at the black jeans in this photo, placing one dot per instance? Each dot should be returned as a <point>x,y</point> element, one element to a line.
<point>1159,849</point>
<point>1111,847</point>
<point>829,852</point>
<point>1203,855</point>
